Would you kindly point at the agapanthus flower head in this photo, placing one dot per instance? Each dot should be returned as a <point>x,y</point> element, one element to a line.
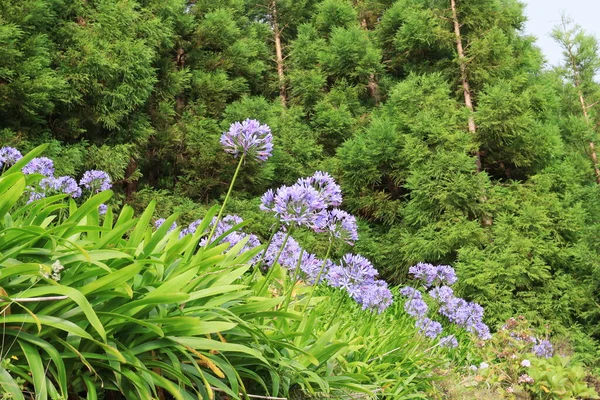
<point>96,181</point>
<point>249,138</point>
<point>40,165</point>
<point>428,327</point>
<point>9,156</point>
<point>191,229</point>
<point>543,349</point>
<point>352,271</point>
<point>311,266</point>
<point>373,296</point>
<point>442,294</point>
<point>296,205</point>
<point>35,194</point>
<point>338,224</point>
<point>267,201</point>
<point>62,184</point>
<point>290,252</point>
<point>102,209</point>
<point>526,363</point>
<point>158,223</point>
<point>430,274</point>
<point>449,341</point>
<point>411,292</point>
<point>481,329</point>
<point>325,185</point>
<point>416,307</point>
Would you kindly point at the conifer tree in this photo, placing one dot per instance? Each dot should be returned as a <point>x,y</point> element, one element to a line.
<point>581,64</point>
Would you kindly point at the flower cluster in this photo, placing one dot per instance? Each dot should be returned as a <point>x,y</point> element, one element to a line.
<point>96,181</point>
<point>356,275</point>
<point>294,205</point>
<point>40,165</point>
<point>543,349</point>
<point>62,184</point>
<point>436,279</point>
<point>415,306</point>
<point>433,274</point>
<point>248,138</point>
<point>55,269</point>
<point>291,252</point>
<point>309,203</point>
<point>338,224</point>
<point>329,191</point>
<point>9,156</point>
<point>93,180</point>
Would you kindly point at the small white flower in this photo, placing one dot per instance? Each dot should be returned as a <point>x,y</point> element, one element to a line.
<point>56,269</point>
<point>510,389</point>
<point>526,363</point>
<point>473,368</point>
<point>483,365</point>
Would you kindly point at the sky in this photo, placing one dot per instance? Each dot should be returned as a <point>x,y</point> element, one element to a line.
<point>544,14</point>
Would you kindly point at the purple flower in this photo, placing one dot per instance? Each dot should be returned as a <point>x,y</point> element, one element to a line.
<point>543,349</point>
<point>290,252</point>
<point>35,195</point>
<point>338,224</point>
<point>62,184</point>
<point>416,307</point>
<point>354,270</point>
<point>295,205</point>
<point>40,165</point>
<point>462,313</point>
<point>102,209</point>
<point>431,274</point>
<point>191,229</point>
<point>442,294</point>
<point>374,296</point>
<point>481,329</point>
<point>267,200</point>
<point>158,223</point>
<point>411,292</point>
<point>449,341</point>
<point>9,156</point>
<point>325,185</point>
<point>249,138</point>
<point>96,181</point>
<point>310,265</point>
<point>428,327</point>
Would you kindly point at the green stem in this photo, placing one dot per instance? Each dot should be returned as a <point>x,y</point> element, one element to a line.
<point>335,312</point>
<point>318,276</point>
<point>237,170</point>
<point>294,281</point>
<point>270,272</point>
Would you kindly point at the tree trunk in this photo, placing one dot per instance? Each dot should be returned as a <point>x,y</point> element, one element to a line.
<point>584,109</point>
<point>278,53</point>
<point>180,99</point>
<point>464,79</point>
<point>372,86</point>
<point>486,220</point>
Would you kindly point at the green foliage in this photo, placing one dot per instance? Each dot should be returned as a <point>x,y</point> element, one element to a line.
<point>558,378</point>
<point>373,93</point>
